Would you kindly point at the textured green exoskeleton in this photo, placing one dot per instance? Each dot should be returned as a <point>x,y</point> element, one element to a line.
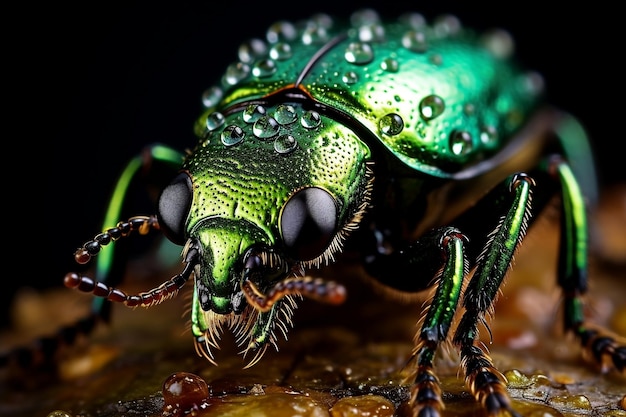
<point>422,147</point>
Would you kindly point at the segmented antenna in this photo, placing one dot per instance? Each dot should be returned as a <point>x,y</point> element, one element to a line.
<point>165,291</point>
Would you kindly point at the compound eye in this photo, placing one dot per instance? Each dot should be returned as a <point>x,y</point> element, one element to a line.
<point>173,208</point>
<point>308,223</point>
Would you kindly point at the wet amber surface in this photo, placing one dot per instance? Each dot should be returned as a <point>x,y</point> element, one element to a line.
<point>339,361</point>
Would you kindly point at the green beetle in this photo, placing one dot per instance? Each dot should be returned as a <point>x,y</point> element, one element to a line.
<point>418,146</point>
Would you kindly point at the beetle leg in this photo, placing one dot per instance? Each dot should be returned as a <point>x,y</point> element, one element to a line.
<point>439,254</point>
<point>485,382</point>
<point>108,270</point>
<point>425,391</point>
<point>572,271</point>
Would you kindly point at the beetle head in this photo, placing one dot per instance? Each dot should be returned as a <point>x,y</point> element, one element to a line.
<point>261,199</point>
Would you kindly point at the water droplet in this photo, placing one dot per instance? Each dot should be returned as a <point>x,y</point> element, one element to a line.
<point>460,142</point>
<point>59,413</point>
<point>281,51</point>
<point>232,135</point>
<point>264,68</point>
<point>541,380</point>
<point>415,40</point>
<point>214,120</point>
<point>469,109</point>
<point>322,20</point>
<point>446,25</point>
<point>236,72</point>
<point>265,127</point>
<point>391,124</point>
<point>251,50</point>
<point>390,65</point>
<point>499,42</point>
<point>517,379</point>
<point>359,53</point>
<point>372,33</point>
<point>184,391</point>
<point>311,119</point>
<point>431,107</point>
<point>280,32</point>
<point>350,77</point>
<point>253,112</point>
<point>285,114</point>
<point>573,402</point>
<point>313,34</point>
<point>364,16</point>
<point>413,20</point>
<point>285,144</point>
<point>489,135</point>
<point>212,96</point>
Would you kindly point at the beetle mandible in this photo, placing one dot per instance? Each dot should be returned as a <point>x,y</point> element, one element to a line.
<point>422,147</point>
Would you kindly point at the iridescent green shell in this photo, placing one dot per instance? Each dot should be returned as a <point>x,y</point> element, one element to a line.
<point>440,97</point>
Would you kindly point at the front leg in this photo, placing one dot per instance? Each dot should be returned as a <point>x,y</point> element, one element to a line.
<point>442,250</point>
<point>485,382</point>
<point>426,391</point>
<point>445,255</point>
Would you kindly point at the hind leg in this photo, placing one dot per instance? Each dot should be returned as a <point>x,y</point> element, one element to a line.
<point>572,272</point>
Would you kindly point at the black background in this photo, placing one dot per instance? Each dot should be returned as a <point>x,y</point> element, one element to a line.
<point>95,83</point>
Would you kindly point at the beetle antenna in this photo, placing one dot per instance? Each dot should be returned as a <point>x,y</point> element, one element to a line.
<point>163,292</point>
<point>141,224</point>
